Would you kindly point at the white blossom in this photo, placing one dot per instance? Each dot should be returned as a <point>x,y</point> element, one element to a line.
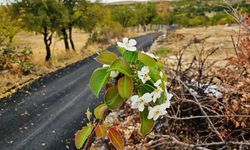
<point>114,74</point>
<point>157,83</point>
<point>169,97</point>
<point>157,92</point>
<point>128,44</point>
<point>140,102</point>
<point>150,55</point>
<point>157,111</point>
<point>143,74</point>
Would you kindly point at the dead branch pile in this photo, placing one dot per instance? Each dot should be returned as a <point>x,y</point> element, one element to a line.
<point>211,108</point>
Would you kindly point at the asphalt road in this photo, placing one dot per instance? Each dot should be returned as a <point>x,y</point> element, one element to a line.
<point>47,113</point>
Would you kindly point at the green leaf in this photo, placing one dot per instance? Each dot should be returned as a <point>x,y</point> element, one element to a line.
<point>113,99</point>
<point>147,60</point>
<point>130,57</point>
<point>146,124</point>
<point>98,79</point>
<point>100,110</point>
<point>115,138</point>
<point>161,100</point>
<point>106,57</point>
<point>121,66</point>
<point>120,49</point>
<point>125,87</point>
<point>154,73</point>
<point>100,131</point>
<point>146,88</point>
<point>82,135</point>
<point>160,64</point>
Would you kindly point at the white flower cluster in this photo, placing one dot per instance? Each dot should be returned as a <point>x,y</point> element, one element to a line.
<point>140,102</point>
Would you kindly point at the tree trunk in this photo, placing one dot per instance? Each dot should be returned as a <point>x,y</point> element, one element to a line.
<point>47,39</point>
<point>144,28</point>
<point>48,53</point>
<point>65,38</point>
<point>70,39</point>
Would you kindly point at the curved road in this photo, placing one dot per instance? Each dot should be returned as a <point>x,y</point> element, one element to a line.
<point>47,113</point>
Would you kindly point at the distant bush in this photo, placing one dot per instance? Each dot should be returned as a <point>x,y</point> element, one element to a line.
<point>16,61</point>
<point>221,19</point>
<point>106,31</point>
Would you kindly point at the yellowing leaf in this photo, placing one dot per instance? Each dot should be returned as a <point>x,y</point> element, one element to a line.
<point>82,135</point>
<point>88,114</point>
<point>146,124</point>
<point>121,66</point>
<point>113,99</point>
<point>98,79</point>
<point>125,87</point>
<point>100,110</point>
<point>115,138</point>
<point>100,131</point>
<point>106,57</point>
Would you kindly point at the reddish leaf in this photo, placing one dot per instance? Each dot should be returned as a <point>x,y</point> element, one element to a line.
<point>100,131</point>
<point>82,135</point>
<point>100,111</point>
<point>115,138</point>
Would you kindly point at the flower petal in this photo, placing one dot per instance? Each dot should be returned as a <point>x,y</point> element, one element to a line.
<point>141,107</point>
<point>120,44</point>
<point>147,97</point>
<point>145,69</point>
<point>132,49</point>
<point>151,113</point>
<point>134,98</point>
<point>125,40</point>
<point>157,83</point>
<point>156,116</point>
<point>132,42</point>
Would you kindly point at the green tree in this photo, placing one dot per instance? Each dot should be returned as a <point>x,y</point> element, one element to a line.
<point>8,27</point>
<point>124,14</point>
<point>40,16</point>
<point>75,11</point>
<point>145,14</point>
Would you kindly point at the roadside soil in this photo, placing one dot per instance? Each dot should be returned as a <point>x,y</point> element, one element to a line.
<point>60,58</point>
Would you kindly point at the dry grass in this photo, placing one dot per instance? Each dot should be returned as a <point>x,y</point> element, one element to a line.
<point>215,37</point>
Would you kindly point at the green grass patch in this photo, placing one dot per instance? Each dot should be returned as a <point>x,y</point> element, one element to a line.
<point>162,51</point>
